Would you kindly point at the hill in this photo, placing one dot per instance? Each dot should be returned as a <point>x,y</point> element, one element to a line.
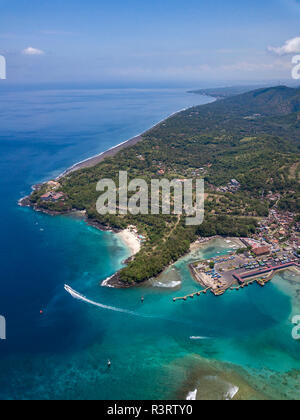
<point>279,100</point>
<point>224,92</point>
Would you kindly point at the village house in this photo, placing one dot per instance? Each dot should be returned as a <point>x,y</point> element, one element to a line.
<point>161,172</point>
<point>52,196</point>
<point>53,184</point>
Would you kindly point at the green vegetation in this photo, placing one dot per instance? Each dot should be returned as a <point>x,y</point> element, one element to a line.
<point>253,137</point>
<point>225,92</point>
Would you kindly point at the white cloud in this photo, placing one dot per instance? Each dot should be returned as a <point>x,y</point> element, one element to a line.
<point>32,51</point>
<point>292,46</point>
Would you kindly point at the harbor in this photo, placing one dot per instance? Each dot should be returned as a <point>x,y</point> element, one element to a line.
<point>238,270</point>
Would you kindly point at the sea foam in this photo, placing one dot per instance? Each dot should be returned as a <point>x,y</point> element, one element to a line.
<point>167,285</point>
<point>233,390</point>
<point>192,395</point>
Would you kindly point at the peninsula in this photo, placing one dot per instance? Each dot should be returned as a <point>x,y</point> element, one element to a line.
<point>245,147</point>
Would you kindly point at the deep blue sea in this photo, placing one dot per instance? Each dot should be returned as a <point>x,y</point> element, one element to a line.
<point>159,349</point>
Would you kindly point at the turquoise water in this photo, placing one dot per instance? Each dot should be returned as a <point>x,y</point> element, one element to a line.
<point>63,353</point>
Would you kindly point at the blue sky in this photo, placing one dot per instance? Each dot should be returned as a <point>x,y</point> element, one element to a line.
<point>140,42</point>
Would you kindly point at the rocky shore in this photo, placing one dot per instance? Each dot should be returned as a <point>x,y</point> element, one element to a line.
<point>116,282</point>
<point>113,281</point>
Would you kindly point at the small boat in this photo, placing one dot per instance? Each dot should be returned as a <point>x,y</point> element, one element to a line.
<point>142,299</point>
<point>109,363</point>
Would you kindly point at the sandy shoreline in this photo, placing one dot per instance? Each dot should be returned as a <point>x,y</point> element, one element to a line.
<point>131,240</point>
<point>94,160</point>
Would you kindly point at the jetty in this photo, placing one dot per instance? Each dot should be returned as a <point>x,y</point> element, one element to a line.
<point>192,295</point>
<point>261,276</point>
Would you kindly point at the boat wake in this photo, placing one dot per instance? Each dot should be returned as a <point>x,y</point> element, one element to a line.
<point>199,338</point>
<point>79,296</point>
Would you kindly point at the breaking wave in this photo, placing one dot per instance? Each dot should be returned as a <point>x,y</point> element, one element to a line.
<point>167,285</point>
<point>232,392</point>
<point>192,395</point>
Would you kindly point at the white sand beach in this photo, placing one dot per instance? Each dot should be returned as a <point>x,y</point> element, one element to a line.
<point>131,240</point>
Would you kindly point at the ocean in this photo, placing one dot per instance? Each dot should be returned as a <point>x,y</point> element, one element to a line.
<point>235,346</point>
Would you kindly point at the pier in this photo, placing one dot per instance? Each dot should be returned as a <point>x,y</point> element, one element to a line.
<point>219,292</point>
<point>261,277</point>
<point>192,295</point>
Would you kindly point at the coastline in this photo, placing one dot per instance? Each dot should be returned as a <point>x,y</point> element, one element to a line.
<point>115,282</point>
<point>95,160</point>
<point>192,337</point>
<point>131,240</point>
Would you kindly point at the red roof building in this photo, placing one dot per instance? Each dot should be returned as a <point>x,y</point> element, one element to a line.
<point>46,196</point>
<point>261,250</point>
